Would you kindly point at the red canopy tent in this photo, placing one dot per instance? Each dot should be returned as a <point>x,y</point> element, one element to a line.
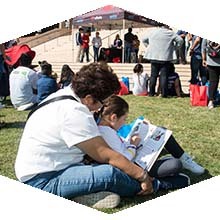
<point>110,15</point>
<point>112,18</point>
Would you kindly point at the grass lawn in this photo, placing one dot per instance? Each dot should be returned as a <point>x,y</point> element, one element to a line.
<point>197,130</point>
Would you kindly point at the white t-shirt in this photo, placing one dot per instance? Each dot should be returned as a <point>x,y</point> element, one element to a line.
<point>22,82</point>
<point>50,135</point>
<point>140,84</point>
<point>117,143</point>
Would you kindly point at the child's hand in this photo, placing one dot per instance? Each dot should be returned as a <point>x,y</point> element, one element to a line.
<point>135,140</point>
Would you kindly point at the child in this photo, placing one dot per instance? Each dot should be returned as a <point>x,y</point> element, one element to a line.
<point>113,115</point>
<point>46,84</point>
<point>140,80</point>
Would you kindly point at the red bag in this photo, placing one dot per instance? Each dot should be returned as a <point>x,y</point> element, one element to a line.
<point>123,90</point>
<point>198,95</point>
<point>15,52</point>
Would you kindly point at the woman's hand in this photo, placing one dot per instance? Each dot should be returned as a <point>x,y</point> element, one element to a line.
<point>146,185</point>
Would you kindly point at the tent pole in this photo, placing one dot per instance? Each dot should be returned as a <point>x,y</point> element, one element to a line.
<point>73,44</point>
<point>123,42</point>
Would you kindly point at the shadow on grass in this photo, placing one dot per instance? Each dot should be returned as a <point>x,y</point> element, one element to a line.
<point>17,124</point>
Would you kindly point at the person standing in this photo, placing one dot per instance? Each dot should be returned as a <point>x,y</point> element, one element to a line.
<point>85,46</point>
<point>79,44</point>
<point>213,65</point>
<point>198,71</point>
<point>161,44</point>
<point>128,39</point>
<point>97,43</point>
<point>181,52</point>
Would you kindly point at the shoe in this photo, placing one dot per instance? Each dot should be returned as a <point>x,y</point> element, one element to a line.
<point>178,181</point>
<point>210,105</point>
<point>99,200</point>
<point>191,165</point>
<point>25,107</point>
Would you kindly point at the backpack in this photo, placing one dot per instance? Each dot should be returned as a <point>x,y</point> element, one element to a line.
<point>213,49</point>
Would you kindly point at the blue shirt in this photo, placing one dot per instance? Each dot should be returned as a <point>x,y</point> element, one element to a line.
<point>45,86</point>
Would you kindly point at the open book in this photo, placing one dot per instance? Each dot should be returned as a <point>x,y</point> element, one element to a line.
<point>153,139</point>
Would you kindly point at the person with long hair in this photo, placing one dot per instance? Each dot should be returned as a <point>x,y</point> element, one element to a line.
<point>66,76</point>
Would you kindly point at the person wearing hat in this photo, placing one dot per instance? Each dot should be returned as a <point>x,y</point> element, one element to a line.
<point>46,84</point>
<point>23,84</point>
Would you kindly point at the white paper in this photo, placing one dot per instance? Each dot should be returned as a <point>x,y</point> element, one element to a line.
<point>153,139</point>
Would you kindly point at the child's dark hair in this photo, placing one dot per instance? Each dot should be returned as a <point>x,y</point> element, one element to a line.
<point>138,67</point>
<point>115,105</point>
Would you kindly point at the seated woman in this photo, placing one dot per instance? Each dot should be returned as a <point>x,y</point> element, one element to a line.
<point>66,76</point>
<point>117,42</point>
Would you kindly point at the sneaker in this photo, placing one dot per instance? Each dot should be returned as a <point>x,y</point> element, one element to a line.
<point>25,107</point>
<point>210,105</point>
<point>99,200</point>
<point>191,165</point>
<point>178,181</point>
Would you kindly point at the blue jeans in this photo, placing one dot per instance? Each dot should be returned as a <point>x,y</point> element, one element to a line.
<point>81,179</point>
<point>198,71</point>
<point>96,54</point>
<point>160,69</point>
<point>128,49</point>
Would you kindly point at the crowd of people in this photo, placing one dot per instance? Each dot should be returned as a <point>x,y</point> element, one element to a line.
<point>57,161</point>
<point>131,46</point>
<point>91,163</point>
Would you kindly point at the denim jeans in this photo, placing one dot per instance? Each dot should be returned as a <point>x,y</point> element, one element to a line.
<point>83,179</point>
<point>198,71</point>
<point>96,54</point>
<point>159,69</point>
<point>128,49</point>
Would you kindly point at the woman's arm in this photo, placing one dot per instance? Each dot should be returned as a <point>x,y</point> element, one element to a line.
<point>98,149</point>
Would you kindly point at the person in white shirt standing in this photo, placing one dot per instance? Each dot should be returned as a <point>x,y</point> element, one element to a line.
<point>97,43</point>
<point>23,85</point>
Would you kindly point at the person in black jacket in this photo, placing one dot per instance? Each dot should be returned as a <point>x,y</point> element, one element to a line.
<point>79,44</point>
<point>128,38</point>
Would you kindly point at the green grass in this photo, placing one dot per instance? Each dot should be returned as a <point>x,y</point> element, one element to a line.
<point>196,129</point>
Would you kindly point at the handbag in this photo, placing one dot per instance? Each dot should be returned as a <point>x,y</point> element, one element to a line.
<point>198,95</point>
<point>213,50</point>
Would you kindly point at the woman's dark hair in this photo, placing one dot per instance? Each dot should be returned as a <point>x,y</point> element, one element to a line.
<point>138,67</point>
<point>115,105</point>
<point>66,74</point>
<point>97,80</point>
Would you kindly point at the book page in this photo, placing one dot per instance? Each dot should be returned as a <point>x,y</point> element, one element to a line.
<point>153,139</point>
